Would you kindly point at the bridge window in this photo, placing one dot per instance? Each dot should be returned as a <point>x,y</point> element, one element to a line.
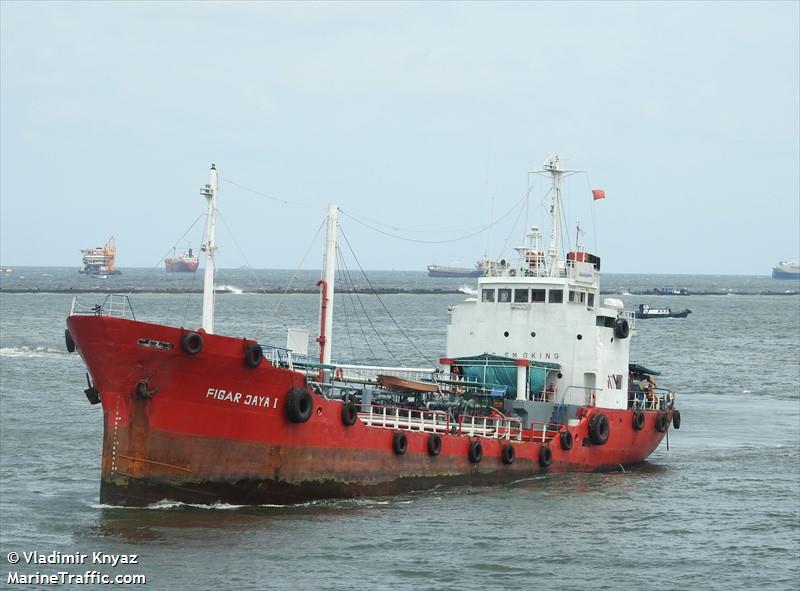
<point>488,295</point>
<point>556,296</point>
<point>590,300</point>
<point>537,295</point>
<point>577,297</point>
<point>520,295</point>
<point>504,295</point>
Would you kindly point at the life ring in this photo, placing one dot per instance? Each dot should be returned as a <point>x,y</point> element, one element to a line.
<point>253,354</point>
<point>434,444</point>
<point>349,414</point>
<point>299,405</point>
<point>638,420</point>
<point>662,421</point>
<point>509,454</point>
<point>399,443</point>
<point>545,456</point>
<point>598,429</point>
<point>676,418</point>
<point>475,452</point>
<point>621,328</point>
<point>565,437</point>
<point>69,341</point>
<point>192,343</point>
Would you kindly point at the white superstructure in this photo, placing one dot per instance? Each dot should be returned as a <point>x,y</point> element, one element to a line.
<point>545,309</point>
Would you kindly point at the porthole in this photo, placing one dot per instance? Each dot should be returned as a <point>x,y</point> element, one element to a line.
<point>612,339</point>
<point>580,336</point>
<point>559,375</point>
<point>505,334</point>
<point>533,334</point>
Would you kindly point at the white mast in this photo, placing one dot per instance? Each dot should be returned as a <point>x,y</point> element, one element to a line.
<point>210,248</point>
<point>327,282</point>
<point>553,166</point>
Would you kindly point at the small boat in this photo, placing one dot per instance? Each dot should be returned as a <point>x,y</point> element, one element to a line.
<point>646,311</point>
<point>397,384</point>
<point>786,270</point>
<point>5,269</point>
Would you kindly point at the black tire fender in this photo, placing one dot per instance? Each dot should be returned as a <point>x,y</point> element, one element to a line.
<point>69,341</point>
<point>475,452</point>
<point>676,418</point>
<point>192,343</point>
<point>545,456</point>
<point>599,429</point>
<point>399,443</point>
<point>565,437</point>
<point>349,414</point>
<point>621,328</point>
<point>509,454</point>
<point>662,422</point>
<point>638,420</point>
<point>434,444</point>
<point>299,405</point>
<point>253,354</point>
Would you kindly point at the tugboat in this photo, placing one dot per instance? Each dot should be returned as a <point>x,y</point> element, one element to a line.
<point>186,262</point>
<point>100,261</point>
<point>645,311</point>
<point>535,378</point>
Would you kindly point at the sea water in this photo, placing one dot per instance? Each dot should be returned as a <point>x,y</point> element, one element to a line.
<point>719,509</point>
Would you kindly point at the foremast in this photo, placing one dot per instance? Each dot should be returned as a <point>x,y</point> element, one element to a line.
<point>209,247</point>
<point>327,284</point>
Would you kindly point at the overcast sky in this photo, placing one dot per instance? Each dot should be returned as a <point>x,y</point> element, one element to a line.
<point>417,116</point>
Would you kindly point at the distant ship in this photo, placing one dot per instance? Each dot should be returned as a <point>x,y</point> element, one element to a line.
<point>442,271</point>
<point>645,311</point>
<point>187,262</point>
<point>786,270</point>
<point>100,260</point>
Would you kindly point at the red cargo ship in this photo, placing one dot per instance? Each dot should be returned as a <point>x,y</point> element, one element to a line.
<point>198,417</point>
<point>186,262</point>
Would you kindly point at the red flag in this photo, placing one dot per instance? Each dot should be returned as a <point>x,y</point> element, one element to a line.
<point>598,194</point>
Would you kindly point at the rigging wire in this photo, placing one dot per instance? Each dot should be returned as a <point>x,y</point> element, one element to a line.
<point>241,251</point>
<point>344,272</point>
<point>354,292</point>
<point>465,237</point>
<point>375,292</point>
<point>267,196</point>
<point>277,305</point>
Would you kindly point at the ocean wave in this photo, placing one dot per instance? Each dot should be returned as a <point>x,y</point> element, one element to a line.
<point>30,352</point>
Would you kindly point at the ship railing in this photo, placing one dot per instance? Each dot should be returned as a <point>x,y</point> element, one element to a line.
<point>491,426</point>
<point>652,399</point>
<point>406,419</point>
<point>114,304</point>
<point>542,432</point>
<point>368,374</point>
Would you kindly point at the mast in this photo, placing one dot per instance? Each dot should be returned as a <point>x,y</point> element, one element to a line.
<point>210,247</point>
<point>553,166</point>
<point>327,283</point>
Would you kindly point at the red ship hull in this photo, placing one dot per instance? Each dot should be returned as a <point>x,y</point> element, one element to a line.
<point>178,266</point>
<point>215,429</point>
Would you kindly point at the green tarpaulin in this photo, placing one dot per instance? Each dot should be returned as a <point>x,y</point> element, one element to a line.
<point>496,370</point>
